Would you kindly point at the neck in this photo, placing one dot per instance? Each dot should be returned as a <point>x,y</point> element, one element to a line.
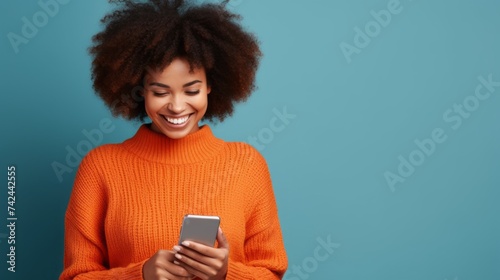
<point>194,147</point>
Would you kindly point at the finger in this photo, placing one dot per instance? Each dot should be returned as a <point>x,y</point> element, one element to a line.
<point>171,276</point>
<point>200,248</point>
<point>195,272</point>
<point>178,271</point>
<point>221,239</point>
<point>194,255</point>
<point>167,264</point>
<point>194,267</point>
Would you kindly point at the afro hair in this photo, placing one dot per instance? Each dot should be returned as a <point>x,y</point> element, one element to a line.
<point>145,35</point>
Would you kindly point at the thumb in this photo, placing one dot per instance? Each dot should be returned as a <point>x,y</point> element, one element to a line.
<point>221,239</point>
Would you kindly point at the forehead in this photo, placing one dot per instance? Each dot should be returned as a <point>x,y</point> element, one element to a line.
<point>178,69</point>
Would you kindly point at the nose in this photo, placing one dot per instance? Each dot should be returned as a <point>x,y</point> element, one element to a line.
<point>176,104</point>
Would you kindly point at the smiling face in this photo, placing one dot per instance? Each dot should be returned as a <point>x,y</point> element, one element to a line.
<point>176,98</point>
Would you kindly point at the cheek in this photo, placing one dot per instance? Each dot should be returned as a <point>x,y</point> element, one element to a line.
<point>152,105</point>
<point>201,103</point>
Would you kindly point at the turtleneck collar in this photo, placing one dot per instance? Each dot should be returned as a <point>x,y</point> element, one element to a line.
<point>154,146</point>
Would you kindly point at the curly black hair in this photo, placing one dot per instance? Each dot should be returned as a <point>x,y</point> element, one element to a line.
<point>140,36</point>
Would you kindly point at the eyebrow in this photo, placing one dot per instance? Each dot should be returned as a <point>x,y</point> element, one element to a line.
<point>167,86</point>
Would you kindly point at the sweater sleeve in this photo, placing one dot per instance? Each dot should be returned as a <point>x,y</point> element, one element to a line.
<point>85,253</point>
<point>264,249</point>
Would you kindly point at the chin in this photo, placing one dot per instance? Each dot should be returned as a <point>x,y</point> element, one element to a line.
<point>174,133</point>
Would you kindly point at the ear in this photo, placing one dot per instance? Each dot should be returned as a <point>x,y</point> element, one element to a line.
<point>209,89</point>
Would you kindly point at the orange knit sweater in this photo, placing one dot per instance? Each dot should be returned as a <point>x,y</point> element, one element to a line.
<point>129,199</point>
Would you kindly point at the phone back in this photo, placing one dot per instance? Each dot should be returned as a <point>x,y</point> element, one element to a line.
<point>200,229</point>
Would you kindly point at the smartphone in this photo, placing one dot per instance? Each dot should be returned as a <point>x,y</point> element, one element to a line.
<point>200,229</point>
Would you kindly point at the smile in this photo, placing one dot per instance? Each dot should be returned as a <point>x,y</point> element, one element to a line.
<point>177,121</point>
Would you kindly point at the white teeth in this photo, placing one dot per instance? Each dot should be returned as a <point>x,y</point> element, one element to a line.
<point>177,120</point>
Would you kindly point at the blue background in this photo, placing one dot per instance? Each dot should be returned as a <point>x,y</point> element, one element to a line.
<point>352,121</point>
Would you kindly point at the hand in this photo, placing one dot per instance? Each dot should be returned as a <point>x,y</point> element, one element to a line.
<point>161,267</point>
<point>203,261</point>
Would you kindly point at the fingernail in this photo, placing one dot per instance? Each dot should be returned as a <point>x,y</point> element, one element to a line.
<point>185,243</point>
<point>178,256</point>
<point>177,248</point>
<point>177,263</point>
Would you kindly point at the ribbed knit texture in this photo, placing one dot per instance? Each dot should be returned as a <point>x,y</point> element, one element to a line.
<point>128,201</point>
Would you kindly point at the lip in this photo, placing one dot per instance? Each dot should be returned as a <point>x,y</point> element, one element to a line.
<point>176,126</point>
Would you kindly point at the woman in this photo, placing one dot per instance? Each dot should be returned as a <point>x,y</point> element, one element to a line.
<point>177,64</point>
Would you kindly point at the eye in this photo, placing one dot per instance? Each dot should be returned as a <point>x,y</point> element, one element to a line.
<point>193,92</point>
<point>159,93</point>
